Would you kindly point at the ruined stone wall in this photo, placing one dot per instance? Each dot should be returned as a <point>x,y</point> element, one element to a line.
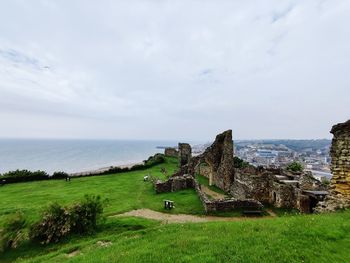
<point>284,195</point>
<point>340,154</point>
<point>171,152</point>
<point>204,170</point>
<point>185,153</point>
<point>253,183</point>
<point>225,205</point>
<point>219,157</point>
<point>339,189</point>
<point>174,184</point>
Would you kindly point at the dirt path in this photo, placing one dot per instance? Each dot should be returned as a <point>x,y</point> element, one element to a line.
<point>271,213</point>
<point>212,193</point>
<point>182,218</point>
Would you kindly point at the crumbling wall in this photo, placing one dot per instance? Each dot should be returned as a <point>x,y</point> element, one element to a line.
<point>171,152</point>
<point>339,189</point>
<point>219,157</point>
<point>252,183</point>
<point>225,205</point>
<point>340,153</point>
<point>284,195</point>
<point>205,170</point>
<point>173,184</point>
<point>185,153</point>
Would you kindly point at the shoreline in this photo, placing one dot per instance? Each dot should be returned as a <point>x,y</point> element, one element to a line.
<point>104,169</point>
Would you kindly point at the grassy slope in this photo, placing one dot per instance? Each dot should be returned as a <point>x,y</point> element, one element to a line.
<point>313,238</point>
<point>125,191</point>
<point>308,238</point>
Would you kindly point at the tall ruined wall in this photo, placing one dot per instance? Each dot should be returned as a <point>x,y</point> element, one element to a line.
<point>340,154</point>
<point>339,189</point>
<point>219,156</point>
<point>185,153</point>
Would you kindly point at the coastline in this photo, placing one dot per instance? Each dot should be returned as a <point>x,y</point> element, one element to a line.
<point>104,169</point>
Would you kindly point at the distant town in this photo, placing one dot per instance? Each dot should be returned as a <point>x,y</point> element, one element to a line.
<point>312,154</point>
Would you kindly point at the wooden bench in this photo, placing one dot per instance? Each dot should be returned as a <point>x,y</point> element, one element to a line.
<point>168,204</point>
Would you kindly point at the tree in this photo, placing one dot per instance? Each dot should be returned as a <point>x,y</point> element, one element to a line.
<point>295,167</point>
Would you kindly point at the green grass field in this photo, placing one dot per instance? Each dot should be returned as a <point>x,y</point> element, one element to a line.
<point>125,191</point>
<point>298,238</point>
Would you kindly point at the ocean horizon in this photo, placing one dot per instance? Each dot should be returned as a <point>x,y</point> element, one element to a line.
<point>74,155</point>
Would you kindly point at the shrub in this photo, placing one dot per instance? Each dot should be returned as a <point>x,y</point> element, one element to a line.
<point>59,175</point>
<point>58,222</point>
<point>53,225</point>
<point>295,167</point>
<point>13,232</point>
<point>239,163</point>
<point>85,215</point>
<point>24,176</point>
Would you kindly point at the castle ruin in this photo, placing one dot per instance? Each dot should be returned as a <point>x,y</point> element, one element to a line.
<point>339,197</point>
<point>246,187</point>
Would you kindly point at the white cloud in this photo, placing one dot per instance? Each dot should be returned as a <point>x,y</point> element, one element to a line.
<point>174,69</point>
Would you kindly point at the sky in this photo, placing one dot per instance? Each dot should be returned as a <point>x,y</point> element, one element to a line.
<point>156,70</point>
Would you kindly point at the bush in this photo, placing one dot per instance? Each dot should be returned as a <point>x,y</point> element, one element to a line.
<point>58,222</point>
<point>24,176</point>
<point>295,167</point>
<point>13,232</point>
<point>86,214</point>
<point>53,225</point>
<point>239,163</point>
<point>60,175</point>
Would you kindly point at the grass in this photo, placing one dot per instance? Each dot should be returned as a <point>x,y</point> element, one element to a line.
<point>305,238</point>
<point>298,238</point>
<point>125,191</point>
<point>205,181</point>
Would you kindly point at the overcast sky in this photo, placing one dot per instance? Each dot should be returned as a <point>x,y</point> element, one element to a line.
<point>173,69</point>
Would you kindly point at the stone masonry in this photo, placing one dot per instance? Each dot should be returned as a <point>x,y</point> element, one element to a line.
<point>248,187</point>
<point>171,152</point>
<point>219,157</point>
<point>185,153</point>
<point>340,153</point>
<point>340,183</point>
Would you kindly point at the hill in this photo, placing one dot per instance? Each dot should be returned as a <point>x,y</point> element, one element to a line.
<point>298,238</point>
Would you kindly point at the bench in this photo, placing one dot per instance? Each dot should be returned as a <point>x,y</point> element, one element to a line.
<point>168,204</point>
<point>252,212</point>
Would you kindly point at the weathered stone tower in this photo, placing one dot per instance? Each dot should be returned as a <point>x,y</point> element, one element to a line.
<point>185,153</point>
<point>339,196</point>
<point>340,153</point>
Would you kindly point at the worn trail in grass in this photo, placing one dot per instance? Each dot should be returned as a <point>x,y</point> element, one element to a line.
<point>184,218</point>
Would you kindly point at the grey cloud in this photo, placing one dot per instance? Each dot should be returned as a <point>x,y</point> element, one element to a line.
<point>171,69</point>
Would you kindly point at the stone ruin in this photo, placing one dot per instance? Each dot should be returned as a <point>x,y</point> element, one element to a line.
<point>339,197</point>
<point>171,152</point>
<point>185,153</point>
<point>248,187</point>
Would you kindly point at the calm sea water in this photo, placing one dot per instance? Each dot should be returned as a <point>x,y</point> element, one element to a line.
<point>73,155</point>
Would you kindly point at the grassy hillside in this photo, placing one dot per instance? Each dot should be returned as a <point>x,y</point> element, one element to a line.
<point>309,238</point>
<point>125,191</point>
<point>301,238</point>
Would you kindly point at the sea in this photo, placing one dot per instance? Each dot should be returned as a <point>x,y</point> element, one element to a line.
<point>73,156</point>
